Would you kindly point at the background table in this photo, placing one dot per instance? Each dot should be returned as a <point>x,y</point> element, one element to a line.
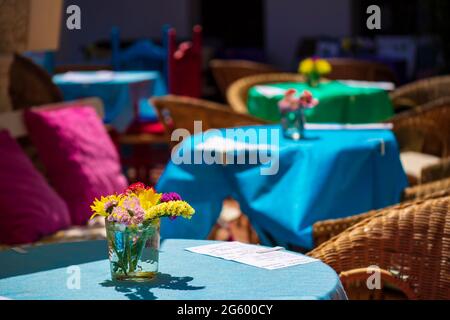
<point>42,273</point>
<point>124,94</point>
<point>339,103</point>
<point>333,174</point>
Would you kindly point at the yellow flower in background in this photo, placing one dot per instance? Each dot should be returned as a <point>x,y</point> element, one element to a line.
<point>310,65</point>
<point>105,205</point>
<point>177,208</point>
<point>322,66</point>
<point>306,66</point>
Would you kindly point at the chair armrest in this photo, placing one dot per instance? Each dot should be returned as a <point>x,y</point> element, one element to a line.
<point>355,284</point>
<point>327,229</point>
<point>437,171</point>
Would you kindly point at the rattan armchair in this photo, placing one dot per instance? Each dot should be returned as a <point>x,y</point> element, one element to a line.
<point>326,229</point>
<point>437,171</point>
<point>353,69</point>
<point>237,93</point>
<point>425,129</point>
<point>420,92</point>
<point>30,85</point>
<point>410,245</point>
<point>225,72</point>
<point>181,112</point>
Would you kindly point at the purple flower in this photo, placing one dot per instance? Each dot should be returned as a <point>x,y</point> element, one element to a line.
<point>170,196</point>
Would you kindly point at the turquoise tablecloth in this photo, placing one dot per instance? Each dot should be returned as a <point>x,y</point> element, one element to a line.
<point>43,273</point>
<point>123,93</point>
<point>332,174</point>
<point>338,102</point>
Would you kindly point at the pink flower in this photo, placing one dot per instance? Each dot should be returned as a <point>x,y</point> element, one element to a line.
<point>307,100</point>
<point>289,102</point>
<point>121,215</point>
<point>134,210</point>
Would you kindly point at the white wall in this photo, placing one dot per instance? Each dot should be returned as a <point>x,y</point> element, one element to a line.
<point>287,22</point>
<point>136,18</point>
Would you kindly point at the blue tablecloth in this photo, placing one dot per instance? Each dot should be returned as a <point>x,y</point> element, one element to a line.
<point>332,174</point>
<point>123,93</point>
<point>43,273</point>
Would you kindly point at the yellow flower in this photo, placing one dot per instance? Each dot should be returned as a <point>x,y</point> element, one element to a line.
<point>148,198</point>
<point>322,66</point>
<point>104,206</point>
<point>306,66</point>
<point>170,209</point>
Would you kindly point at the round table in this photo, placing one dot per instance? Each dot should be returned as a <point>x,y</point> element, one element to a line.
<point>46,272</point>
<point>124,94</point>
<point>338,102</point>
<point>331,174</point>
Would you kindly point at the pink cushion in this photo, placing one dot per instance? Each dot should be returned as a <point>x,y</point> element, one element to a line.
<point>80,158</point>
<point>29,207</point>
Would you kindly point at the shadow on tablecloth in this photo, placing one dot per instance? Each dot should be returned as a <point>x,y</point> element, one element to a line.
<point>142,291</point>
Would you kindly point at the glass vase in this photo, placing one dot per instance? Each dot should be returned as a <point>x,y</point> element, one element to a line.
<point>293,123</point>
<point>133,250</point>
<point>313,79</point>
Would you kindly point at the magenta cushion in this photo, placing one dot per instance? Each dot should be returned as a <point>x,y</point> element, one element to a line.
<point>82,162</point>
<point>29,207</point>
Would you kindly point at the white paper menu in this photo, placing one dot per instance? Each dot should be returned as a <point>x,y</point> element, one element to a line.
<point>254,255</point>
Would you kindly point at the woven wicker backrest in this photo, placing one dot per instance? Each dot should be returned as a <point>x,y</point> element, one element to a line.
<point>225,72</point>
<point>425,191</point>
<point>177,112</point>
<point>411,242</point>
<point>420,92</point>
<point>435,172</point>
<point>425,129</point>
<point>352,69</point>
<point>30,85</point>
<point>326,229</point>
<point>237,93</point>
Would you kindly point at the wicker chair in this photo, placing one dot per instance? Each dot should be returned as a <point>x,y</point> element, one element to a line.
<point>237,93</point>
<point>326,229</point>
<point>437,171</point>
<point>437,114</point>
<point>181,112</point>
<point>30,85</point>
<point>420,92</point>
<point>410,244</point>
<point>352,69</point>
<point>423,134</point>
<point>225,72</point>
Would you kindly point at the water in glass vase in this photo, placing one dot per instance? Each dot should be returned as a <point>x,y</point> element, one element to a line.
<point>133,250</point>
<point>293,123</point>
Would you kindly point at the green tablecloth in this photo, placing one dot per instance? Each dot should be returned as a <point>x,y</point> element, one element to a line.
<point>339,103</point>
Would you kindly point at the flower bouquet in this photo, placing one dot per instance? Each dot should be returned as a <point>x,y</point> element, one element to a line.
<point>292,112</point>
<point>313,69</point>
<point>132,228</point>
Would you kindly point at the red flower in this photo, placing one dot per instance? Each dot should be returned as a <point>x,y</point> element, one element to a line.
<point>136,188</point>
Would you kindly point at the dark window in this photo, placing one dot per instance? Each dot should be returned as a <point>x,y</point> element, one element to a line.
<point>235,23</point>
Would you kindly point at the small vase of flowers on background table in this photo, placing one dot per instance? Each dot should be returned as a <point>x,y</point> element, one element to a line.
<point>292,110</point>
<point>132,229</point>
<point>313,69</point>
